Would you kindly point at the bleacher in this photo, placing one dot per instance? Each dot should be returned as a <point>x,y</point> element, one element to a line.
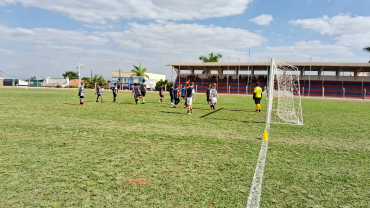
<point>331,88</point>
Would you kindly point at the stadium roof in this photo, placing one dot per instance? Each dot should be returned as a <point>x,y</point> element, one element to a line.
<point>262,66</point>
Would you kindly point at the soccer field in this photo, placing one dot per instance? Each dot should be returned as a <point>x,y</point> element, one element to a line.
<point>54,152</point>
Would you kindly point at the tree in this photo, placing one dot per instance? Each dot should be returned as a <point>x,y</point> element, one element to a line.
<point>211,58</point>
<point>70,75</point>
<point>99,79</point>
<point>165,82</point>
<point>85,79</point>
<point>139,71</point>
<point>367,49</point>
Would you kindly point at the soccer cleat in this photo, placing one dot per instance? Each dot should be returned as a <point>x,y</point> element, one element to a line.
<point>97,101</point>
<point>191,111</point>
<point>102,101</point>
<point>175,106</point>
<point>142,103</point>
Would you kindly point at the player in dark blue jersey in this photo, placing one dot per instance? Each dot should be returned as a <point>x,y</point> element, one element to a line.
<point>176,96</point>
<point>161,94</point>
<point>207,94</point>
<point>190,97</point>
<point>136,92</point>
<point>115,91</point>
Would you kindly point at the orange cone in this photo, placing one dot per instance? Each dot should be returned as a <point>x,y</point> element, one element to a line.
<point>264,137</point>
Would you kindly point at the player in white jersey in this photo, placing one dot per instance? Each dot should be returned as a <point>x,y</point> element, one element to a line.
<point>81,93</point>
<point>213,95</point>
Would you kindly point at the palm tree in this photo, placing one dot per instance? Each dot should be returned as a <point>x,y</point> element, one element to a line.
<point>367,49</point>
<point>211,58</point>
<point>139,71</point>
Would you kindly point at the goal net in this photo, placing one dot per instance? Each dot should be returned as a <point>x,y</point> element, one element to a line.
<point>284,97</point>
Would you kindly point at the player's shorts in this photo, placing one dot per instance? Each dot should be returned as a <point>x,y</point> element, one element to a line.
<point>257,100</point>
<point>213,100</point>
<point>82,97</point>
<point>115,95</point>
<point>171,97</point>
<point>99,94</point>
<point>161,96</point>
<point>136,96</point>
<point>189,100</point>
<point>143,93</point>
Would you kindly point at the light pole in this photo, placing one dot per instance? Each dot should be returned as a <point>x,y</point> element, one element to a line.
<point>238,75</point>
<point>309,79</point>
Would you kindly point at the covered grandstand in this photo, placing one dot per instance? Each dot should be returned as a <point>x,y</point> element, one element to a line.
<point>316,78</point>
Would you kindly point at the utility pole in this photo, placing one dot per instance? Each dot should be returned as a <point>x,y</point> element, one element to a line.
<point>91,74</point>
<point>79,73</point>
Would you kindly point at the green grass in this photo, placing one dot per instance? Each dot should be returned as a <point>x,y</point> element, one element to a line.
<point>56,153</point>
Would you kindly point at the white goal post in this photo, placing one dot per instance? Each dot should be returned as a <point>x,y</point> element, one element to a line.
<point>284,96</point>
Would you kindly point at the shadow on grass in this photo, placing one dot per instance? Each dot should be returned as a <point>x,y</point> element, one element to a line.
<point>171,112</point>
<point>259,139</point>
<point>210,113</point>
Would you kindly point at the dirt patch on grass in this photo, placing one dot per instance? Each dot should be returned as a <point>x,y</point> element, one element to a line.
<point>138,182</point>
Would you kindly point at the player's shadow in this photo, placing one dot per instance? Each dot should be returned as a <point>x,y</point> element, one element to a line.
<point>211,113</point>
<point>170,112</point>
<point>259,139</point>
<point>70,104</point>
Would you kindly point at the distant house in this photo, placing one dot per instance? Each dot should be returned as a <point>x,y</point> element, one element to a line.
<point>74,82</point>
<point>128,79</point>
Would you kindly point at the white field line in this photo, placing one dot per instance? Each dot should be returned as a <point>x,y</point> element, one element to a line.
<point>255,193</point>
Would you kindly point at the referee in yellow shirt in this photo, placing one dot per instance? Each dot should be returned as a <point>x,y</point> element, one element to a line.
<point>257,96</point>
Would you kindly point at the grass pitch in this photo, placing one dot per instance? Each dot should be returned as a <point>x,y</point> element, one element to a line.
<point>56,153</point>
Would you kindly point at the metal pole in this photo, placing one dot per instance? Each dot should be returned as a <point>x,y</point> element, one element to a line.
<point>323,92</point>
<point>238,75</point>
<point>364,93</point>
<point>309,79</point>
<point>179,71</point>
<point>248,70</point>
<point>269,95</point>
<point>79,74</point>
<point>172,76</point>
<point>37,82</point>
<point>227,78</point>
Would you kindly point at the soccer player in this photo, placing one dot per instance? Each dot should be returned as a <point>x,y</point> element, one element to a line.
<point>81,93</point>
<point>185,98</point>
<point>115,91</point>
<point>176,95</point>
<point>171,94</point>
<point>136,93</point>
<point>183,93</point>
<point>99,93</point>
<point>257,96</point>
<point>161,94</point>
<point>213,95</point>
<point>143,91</point>
<point>190,94</point>
<point>207,94</point>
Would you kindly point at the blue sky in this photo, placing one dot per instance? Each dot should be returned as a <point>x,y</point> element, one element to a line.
<point>48,37</point>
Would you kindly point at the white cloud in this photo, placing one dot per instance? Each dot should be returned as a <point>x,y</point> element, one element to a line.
<point>303,50</point>
<point>263,19</point>
<point>5,52</point>
<point>49,36</point>
<point>99,11</point>
<point>349,31</point>
<point>176,38</point>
